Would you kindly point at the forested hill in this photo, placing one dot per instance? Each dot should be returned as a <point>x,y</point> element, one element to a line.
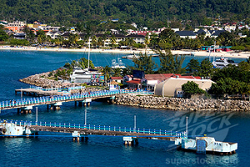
<point>139,11</point>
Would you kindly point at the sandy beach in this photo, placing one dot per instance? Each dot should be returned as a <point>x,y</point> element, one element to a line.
<point>230,54</point>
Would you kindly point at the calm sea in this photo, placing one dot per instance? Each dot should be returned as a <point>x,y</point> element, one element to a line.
<point>109,151</point>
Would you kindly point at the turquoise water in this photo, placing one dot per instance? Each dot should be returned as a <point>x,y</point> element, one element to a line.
<point>109,151</point>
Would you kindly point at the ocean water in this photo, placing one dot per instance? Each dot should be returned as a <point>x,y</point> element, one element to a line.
<point>59,150</point>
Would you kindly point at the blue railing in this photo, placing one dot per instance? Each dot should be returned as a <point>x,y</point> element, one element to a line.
<point>61,98</point>
<point>57,89</point>
<point>99,127</point>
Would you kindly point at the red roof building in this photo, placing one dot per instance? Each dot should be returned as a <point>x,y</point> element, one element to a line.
<point>150,80</point>
<point>134,84</point>
<point>116,79</point>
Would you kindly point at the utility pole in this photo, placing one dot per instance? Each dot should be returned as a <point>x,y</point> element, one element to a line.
<point>89,53</point>
<point>36,115</point>
<point>85,118</point>
<point>134,123</point>
<point>187,127</point>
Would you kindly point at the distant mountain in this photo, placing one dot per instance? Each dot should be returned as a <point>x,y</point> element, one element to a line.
<point>140,11</point>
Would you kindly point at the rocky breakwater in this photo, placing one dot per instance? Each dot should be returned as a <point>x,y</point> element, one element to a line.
<point>43,80</point>
<point>182,104</point>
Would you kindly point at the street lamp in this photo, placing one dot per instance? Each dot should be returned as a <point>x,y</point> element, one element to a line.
<point>85,118</point>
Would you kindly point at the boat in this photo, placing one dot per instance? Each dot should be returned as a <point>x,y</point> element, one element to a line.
<point>131,56</point>
<point>11,129</point>
<point>206,145</point>
<point>84,75</point>
<point>223,62</point>
<point>118,64</point>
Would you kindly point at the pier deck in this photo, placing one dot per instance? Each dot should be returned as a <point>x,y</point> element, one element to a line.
<point>37,92</point>
<point>49,100</point>
<point>105,132</point>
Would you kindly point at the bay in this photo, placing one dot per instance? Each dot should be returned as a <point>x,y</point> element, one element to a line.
<point>109,151</point>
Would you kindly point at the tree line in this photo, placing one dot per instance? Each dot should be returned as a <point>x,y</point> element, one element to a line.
<point>144,13</point>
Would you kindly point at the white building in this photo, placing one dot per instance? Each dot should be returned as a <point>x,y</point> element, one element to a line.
<point>172,87</point>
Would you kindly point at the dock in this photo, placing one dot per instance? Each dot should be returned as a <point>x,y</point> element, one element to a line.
<point>201,145</point>
<point>54,102</point>
<point>37,92</point>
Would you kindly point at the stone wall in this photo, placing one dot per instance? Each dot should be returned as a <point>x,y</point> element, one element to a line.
<point>42,80</point>
<point>182,104</point>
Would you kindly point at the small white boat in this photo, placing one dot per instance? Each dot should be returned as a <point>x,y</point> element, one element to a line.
<point>118,64</point>
<point>223,62</point>
<point>131,56</point>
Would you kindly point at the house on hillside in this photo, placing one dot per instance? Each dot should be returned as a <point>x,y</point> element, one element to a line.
<point>186,34</point>
<point>205,32</point>
<point>216,33</point>
<point>137,38</point>
<point>116,79</point>
<point>19,36</point>
<point>53,34</point>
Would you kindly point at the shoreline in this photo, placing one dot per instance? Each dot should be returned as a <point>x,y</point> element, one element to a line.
<point>183,104</point>
<point>230,54</point>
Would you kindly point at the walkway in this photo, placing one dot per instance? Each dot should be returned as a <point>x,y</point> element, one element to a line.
<point>47,100</point>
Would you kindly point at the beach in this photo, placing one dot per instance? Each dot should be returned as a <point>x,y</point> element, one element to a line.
<point>230,54</point>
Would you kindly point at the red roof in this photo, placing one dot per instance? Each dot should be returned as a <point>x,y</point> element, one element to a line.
<point>136,81</point>
<point>189,77</point>
<point>197,77</point>
<point>116,78</point>
<point>159,77</point>
<point>129,76</point>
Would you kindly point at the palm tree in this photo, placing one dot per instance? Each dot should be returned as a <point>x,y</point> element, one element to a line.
<point>104,37</point>
<point>106,71</point>
<point>39,39</point>
<point>100,42</point>
<point>48,39</point>
<point>170,63</point>
<point>117,72</point>
<point>94,41</point>
<point>147,41</point>
<point>59,40</point>
<point>113,40</point>
<point>73,38</point>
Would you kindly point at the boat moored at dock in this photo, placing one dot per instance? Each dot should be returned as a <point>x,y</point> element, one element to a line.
<point>206,145</point>
<point>223,62</point>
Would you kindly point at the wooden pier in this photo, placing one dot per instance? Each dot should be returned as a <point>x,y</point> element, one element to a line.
<point>85,132</point>
<point>82,132</point>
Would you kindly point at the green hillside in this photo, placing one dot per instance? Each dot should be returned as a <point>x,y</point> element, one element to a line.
<point>143,12</point>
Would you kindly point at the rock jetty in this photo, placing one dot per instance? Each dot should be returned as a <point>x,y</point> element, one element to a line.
<point>43,80</point>
<point>181,104</point>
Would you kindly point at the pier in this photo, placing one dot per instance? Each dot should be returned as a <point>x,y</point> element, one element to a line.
<point>83,131</point>
<point>54,102</point>
<point>130,135</point>
<point>38,92</point>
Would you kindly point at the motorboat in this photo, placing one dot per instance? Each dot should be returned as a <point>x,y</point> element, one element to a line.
<point>118,64</point>
<point>131,56</point>
<point>223,62</point>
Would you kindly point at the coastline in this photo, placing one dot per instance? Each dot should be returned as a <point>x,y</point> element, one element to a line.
<point>230,54</point>
<point>182,104</point>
